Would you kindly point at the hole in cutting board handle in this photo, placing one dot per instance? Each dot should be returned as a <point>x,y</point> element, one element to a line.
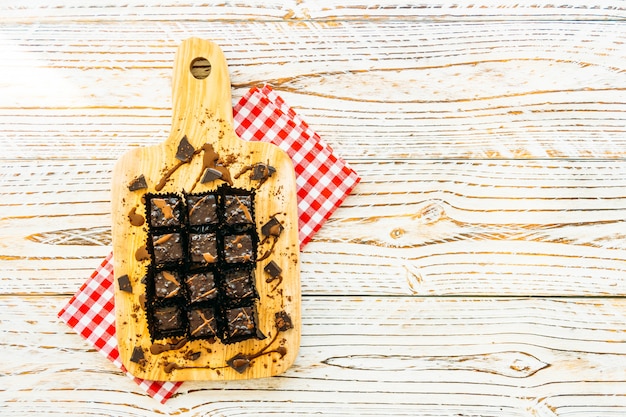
<point>200,68</point>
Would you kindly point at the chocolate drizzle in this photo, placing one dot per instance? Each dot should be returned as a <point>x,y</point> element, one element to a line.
<point>158,348</point>
<point>134,218</point>
<point>240,362</point>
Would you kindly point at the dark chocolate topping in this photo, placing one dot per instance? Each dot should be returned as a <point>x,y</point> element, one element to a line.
<point>168,318</point>
<point>185,151</point>
<point>167,248</point>
<point>138,183</point>
<point>202,323</point>
<point>137,356</point>
<point>272,269</point>
<point>201,286</point>
<point>166,284</point>
<point>239,284</point>
<point>238,209</point>
<point>272,228</point>
<point>202,209</point>
<point>283,321</point>
<point>239,363</point>
<point>203,247</point>
<point>240,324</point>
<point>124,284</point>
<point>238,248</point>
<point>210,174</point>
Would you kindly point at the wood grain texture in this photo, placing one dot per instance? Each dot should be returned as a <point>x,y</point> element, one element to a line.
<point>158,10</point>
<point>489,136</point>
<point>429,227</point>
<point>429,89</point>
<point>472,356</point>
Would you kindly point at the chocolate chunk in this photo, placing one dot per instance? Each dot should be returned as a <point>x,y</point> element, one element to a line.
<point>138,183</point>
<point>167,319</point>
<point>272,228</point>
<point>273,270</point>
<point>202,323</point>
<point>137,356</point>
<point>167,248</point>
<point>210,174</point>
<point>202,209</point>
<point>240,324</point>
<point>185,151</point>
<point>203,248</point>
<point>239,363</point>
<point>124,284</point>
<point>238,284</point>
<point>283,321</point>
<point>262,172</point>
<point>201,286</point>
<point>238,248</point>
<point>238,209</point>
<point>167,284</point>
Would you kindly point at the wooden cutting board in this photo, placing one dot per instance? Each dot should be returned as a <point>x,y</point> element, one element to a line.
<point>202,137</point>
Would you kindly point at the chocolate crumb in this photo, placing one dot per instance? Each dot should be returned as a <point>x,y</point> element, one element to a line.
<point>138,183</point>
<point>192,356</point>
<point>283,321</point>
<point>185,151</point>
<point>124,284</point>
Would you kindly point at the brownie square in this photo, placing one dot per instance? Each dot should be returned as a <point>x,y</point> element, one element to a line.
<point>240,324</point>
<point>202,209</point>
<point>165,211</point>
<point>167,284</point>
<point>238,209</point>
<point>201,286</point>
<point>167,248</point>
<point>203,247</point>
<point>202,323</point>
<point>238,248</point>
<point>238,284</point>
<point>167,319</point>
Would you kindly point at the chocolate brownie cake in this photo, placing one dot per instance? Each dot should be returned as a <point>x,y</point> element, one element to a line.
<point>201,282</point>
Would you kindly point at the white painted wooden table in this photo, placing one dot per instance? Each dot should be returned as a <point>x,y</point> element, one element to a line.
<point>479,269</point>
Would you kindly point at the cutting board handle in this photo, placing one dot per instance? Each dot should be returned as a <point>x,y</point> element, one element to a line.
<point>196,98</point>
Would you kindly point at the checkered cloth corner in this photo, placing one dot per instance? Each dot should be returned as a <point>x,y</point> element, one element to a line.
<point>323,180</point>
<point>91,313</point>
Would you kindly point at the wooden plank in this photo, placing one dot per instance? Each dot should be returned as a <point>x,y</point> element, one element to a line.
<point>440,356</point>
<point>427,90</point>
<point>552,227</point>
<point>158,10</point>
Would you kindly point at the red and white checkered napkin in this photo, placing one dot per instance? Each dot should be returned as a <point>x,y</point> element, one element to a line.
<point>323,181</point>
